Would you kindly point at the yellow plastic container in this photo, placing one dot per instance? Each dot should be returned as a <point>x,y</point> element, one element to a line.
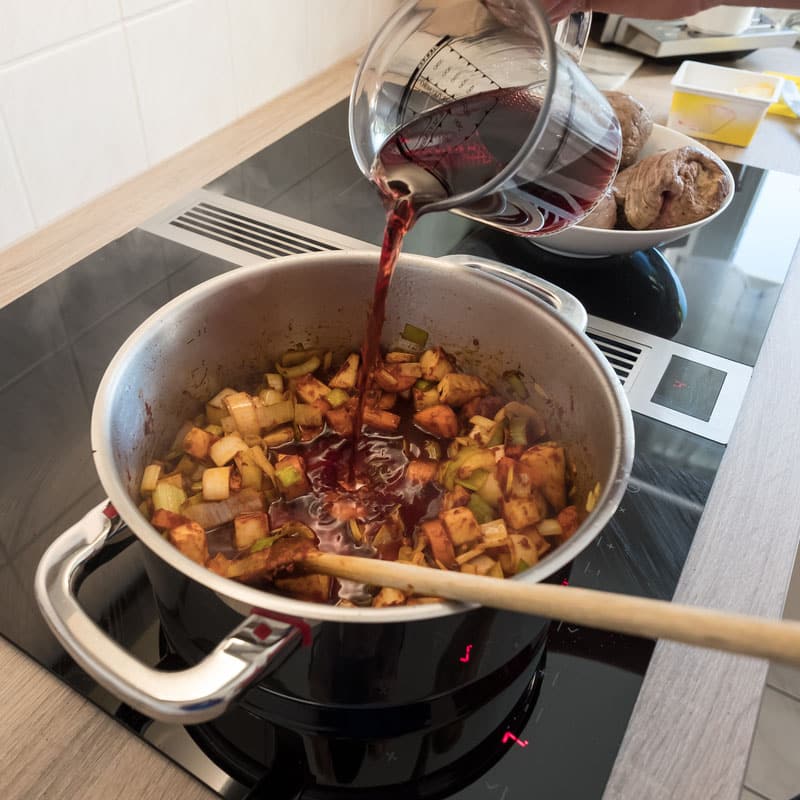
<point>719,103</point>
<point>780,107</point>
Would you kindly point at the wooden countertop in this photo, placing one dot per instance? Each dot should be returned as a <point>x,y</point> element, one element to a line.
<point>691,728</point>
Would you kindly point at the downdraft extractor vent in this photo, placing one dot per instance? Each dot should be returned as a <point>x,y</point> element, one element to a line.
<point>622,356</point>
<point>241,233</point>
<point>245,233</point>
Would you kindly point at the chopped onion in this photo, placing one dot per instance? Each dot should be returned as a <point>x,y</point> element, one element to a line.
<point>274,381</point>
<point>549,527</point>
<point>307,415</point>
<point>213,514</point>
<point>152,472</point>
<point>224,449</point>
<point>274,415</point>
<point>217,483</point>
<point>243,410</point>
<point>271,396</point>
<point>279,436</point>
<point>169,497</point>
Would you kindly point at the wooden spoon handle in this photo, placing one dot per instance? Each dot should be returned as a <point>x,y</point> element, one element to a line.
<point>654,619</point>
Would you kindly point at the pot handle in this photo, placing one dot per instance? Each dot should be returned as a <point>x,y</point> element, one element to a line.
<point>568,306</point>
<point>196,694</point>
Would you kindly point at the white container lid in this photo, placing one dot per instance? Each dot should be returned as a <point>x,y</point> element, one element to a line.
<point>725,20</point>
<point>727,82</point>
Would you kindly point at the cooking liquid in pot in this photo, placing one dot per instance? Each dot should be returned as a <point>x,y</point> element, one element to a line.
<point>380,462</point>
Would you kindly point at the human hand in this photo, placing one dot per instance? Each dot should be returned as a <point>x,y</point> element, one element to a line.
<point>516,13</point>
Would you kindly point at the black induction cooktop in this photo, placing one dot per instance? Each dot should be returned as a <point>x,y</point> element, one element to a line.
<point>568,702</point>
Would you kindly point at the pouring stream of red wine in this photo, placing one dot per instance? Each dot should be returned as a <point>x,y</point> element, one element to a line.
<point>456,148</point>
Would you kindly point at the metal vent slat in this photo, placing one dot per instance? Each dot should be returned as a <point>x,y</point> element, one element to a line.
<point>236,234</point>
<point>273,231</point>
<point>632,348</point>
<point>621,355</point>
<point>222,240</point>
<point>245,233</point>
<point>220,235</point>
<point>265,226</point>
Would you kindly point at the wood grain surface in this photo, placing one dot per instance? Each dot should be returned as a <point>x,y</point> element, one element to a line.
<point>690,732</point>
<point>691,728</point>
<point>56,745</point>
<point>610,611</point>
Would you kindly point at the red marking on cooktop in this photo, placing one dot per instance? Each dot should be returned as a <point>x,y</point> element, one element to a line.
<point>465,657</point>
<point>508,735</point>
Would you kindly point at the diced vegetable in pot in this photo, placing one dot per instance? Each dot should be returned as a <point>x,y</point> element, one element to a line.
<point>452,473</point>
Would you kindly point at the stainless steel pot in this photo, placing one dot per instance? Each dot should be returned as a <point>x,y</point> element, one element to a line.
<point>490,316</point>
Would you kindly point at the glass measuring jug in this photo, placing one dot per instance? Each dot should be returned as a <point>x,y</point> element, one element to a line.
<point>470,106</point>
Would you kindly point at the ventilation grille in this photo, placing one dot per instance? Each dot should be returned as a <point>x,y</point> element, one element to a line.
<point>623,356</point>
<point>241,233</point>
<point>245,233</point>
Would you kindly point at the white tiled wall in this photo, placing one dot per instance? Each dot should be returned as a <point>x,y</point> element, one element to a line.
<point>95,91</point>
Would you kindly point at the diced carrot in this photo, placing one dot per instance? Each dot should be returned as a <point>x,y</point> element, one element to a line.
<point>309,389</point>
<point>386,401</point>
<point>440,420</point>
<point>165,520</point>
<point>381,420</point>
<point>458,497</point>
<point>197,443</point>
<point>461,525</point>
<point>569,521</point>
<point>190,539</point>
<point>421,471</point>
<point>441,545</point>
<point>341,420</point>
<point>435,364</point>
<point>456,388</point>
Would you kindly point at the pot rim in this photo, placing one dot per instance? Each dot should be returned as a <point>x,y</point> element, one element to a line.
<point>253,598</point>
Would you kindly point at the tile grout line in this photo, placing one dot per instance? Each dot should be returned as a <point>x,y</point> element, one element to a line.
<point>64,44</point>
<point>18,165</point>
<point>238,113</point>
<point>139,113</point>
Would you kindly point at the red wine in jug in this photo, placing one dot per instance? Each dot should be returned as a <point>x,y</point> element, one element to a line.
<point>460,146</point>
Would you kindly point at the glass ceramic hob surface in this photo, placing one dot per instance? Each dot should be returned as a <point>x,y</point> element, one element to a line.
<point>560,738</point>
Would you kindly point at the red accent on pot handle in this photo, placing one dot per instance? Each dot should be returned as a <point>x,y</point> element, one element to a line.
<point>189,696</point>
<point>296,622</point>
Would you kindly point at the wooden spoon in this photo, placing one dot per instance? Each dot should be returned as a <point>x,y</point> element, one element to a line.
<point>654,619</point>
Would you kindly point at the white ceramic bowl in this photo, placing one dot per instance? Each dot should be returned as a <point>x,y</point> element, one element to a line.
<point>596,242</point>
